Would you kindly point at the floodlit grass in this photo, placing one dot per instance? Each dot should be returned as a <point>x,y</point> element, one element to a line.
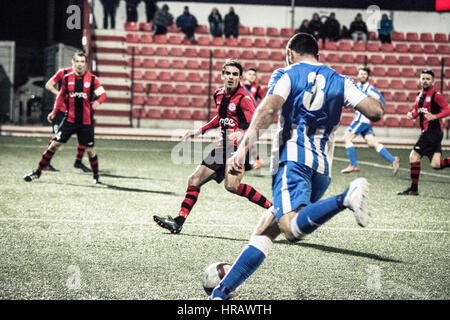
<point>64,238</point>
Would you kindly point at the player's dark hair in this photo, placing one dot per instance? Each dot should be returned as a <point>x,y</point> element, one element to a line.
<point>79,53</point>
<point>232,63</point>
<point>303,44</point>
<point>365,68</point>
<point>428,71</point>
<point>252,69</point>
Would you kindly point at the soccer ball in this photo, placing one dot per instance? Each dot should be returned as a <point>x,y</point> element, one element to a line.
<point>213,274</point>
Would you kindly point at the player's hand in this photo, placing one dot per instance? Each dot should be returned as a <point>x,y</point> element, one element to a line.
<point>50,117</point>
<point>95,105</point>
<point>236,163</point>
<point>430,116</point>
<point>188,134</point>
<point>235,136</point>
<point>409,115</point>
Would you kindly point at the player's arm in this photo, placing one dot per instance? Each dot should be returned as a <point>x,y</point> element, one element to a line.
<point>370,107</point>
<point>51,83</point>
<point>59,103</point>
<point>445,108</point>
<point>214,123</point>
<point>100,93</point>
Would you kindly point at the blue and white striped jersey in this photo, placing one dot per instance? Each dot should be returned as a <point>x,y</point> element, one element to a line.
<point>314,95</point>
<point>371,91</point>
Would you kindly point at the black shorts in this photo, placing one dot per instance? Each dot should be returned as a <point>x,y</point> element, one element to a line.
<point>58,121</point>
<point>85,133</point>
<point>429,143</point>
<point>217,159</point>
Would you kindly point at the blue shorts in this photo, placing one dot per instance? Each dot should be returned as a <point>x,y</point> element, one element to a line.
<point>294,185</point>
<point>361,128</point>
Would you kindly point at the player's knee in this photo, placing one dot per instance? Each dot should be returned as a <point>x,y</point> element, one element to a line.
<point>193,180</point>
<point>231,187</point>
<point>436,165</point>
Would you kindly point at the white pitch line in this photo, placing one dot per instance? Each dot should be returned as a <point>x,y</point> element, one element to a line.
<point>6,219</point>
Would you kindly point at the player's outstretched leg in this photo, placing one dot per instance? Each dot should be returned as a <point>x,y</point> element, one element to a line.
<point>43,163</point>
<point>394,161</point>
<point>247,191</point>
<point>351,153</point>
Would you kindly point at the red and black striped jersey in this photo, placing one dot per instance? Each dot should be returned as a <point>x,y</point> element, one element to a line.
<point>430,101</point>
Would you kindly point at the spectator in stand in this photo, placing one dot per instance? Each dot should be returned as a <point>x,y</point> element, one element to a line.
<point>304,27</point>
<point>332,28</point>
<point>316,27</point>
<point>109,11</point>
<point>132,15</point>
<point>215,23</point>
<point>150,9</point>
<point>358,29</point>
<point>187,23</point>
<point>162,19</point>
<point>385,29</point>
<point>231,27</point>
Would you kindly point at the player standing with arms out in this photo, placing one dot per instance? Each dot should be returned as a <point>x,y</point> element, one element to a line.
<point>308,96</point>
<point>361,125</point>
<point>251,84</point>
<point>56,116</point>
<point>235,108</point>
<point>430,107</point>
<point>78,90</point>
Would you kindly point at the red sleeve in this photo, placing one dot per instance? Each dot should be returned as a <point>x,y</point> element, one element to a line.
<point>214,123</point>
<point>445,109</point>
<point>415,111</point>
<point>58,76</point>
<point>60,99</point>
<point>248,107</point>
<point>99,91</point>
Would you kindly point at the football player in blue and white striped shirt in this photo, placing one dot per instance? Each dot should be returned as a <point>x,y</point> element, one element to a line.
<point>361,125</point>
<point>308,97</point>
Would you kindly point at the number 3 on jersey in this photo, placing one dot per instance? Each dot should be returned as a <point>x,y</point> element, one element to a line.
<point>314,96</point>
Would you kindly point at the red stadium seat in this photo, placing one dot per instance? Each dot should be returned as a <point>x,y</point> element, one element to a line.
<point>382,84</point>
<point>262,55</point>
<point>272,32</point>
<point>167,101</point>
<point>346,120</point>
<point>199,115</point>
<point>160,39</point>
<point>203,53</point>
<point>440,37</point>
<point>332,57</point>
<point>139,100</point>
<point>412,96</point>
<point>137,62</point>
<point>182,102</point>
<point>391,122</point>
<point>138,87</point>
<point>376,59</point>
<point>181,89</point>
<point>373,35</point>
<point>247,54</point>
<point>233,53</point>
<point>429,48</point>
<point>164,76</point>
<point>338,69</point>
<point>177,64</point>
<point>184,114</point>
<point>404,60</point>
<point>359,46</point>
<point>411,85</point>
<point>407,123</point>
<point>138,113</point>
<point>173,28</point>
<point>150,75</point>
<point>379,72</point>
<point>408,72</point>
<point>192,64</point>
<point>145,26</point>
<point>401,48</point>
<point>130,26</point>
<point>433,61</point>
<point>274,43</point>
<point>169,114</point>
<point>137,75</point>
<point>137,51</point>
<point>162,63</point>
<point>162,51</point>
<point>443,49</point>
<point>153,114</point>
<point>132,38</point>
<point>219,53</point>
<point>195,89</point>
<point>418,61</point>
<point>393,72</point>
<point>146,38</point>
<point>426,37</point>
<point>344,46</point>
<point>389,109</point>
<point>403,109</point>
<point>373,46</point>
<point>264,67</point>
<point>379,123</point>
<point>175,39</point>
<point>278,66</point>
<point>346,58</point>
<point>260,43</point>
<point>152,87</point>
<point>412,36</point>
<point>231,42</point>
<point>202,29</point>
<point>244,30</point>
<point>179,76</point>
<point>198,102</point>
<point>330,45</point>
<point>176,52</point>
<point>258,31</point>
<point>396,84</point>
<point>397,36</point>
<point>148,63</point>
<point>361,59</point>
<point>400,96</point>
<point>166,88</point>
<point>277,56</point>
<point>390,59</point>
<point>203,41</point>
<point>350,71</point>
<point>387,95</point>
<point>194,77</point>
<point>387,47</point>
<point>190,52</point>
<point>415,48</point>
<point>287,32</point>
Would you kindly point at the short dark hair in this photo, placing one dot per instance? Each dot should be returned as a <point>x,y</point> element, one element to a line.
<point>303,43</point>
<point>252,69</point>
<point>232,63</point>
<point>79,53</point>
<point>365,68</point>
<point>428,71</point>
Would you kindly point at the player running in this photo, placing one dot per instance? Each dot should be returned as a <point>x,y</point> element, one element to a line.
<point>430,107</point>
<point>308,97</point>
<point>361,125</point>
<point>78,90</point>
<point>235,108</point>
<point>56,116</point>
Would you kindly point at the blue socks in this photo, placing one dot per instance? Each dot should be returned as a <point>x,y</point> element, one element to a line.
<point>385,153</point>
<point>351,155</point>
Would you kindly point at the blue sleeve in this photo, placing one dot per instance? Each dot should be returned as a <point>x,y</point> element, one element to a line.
<point>276,75</point>
<point>378,93</point>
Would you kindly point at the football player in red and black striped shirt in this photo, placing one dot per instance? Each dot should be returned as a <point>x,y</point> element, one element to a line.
<point>430,107</point>
<point>77,95</point>
<point>235,108</point>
